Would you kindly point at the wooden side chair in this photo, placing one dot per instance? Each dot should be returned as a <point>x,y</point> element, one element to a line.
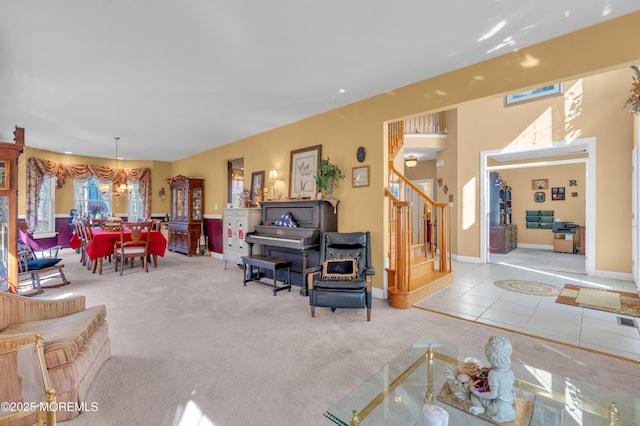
<point>83,229</point>
<point>87,236</point>
<point>156,225</point>
<point>97,222</point>
<point>133,243</point>
<point>77,226</point>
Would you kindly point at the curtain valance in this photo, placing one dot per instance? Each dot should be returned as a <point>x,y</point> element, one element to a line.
<point>38,168</point>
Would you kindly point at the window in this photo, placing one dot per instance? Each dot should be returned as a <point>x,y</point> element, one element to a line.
<point>45,225</point>
<point>136,207</point>
<point>89,200</point>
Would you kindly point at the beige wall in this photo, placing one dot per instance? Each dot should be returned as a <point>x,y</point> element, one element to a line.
<point>64,197</point>
<point>481,125</point>
<point>591,107</point>
<point>572,209</point>
<point>425,169</point>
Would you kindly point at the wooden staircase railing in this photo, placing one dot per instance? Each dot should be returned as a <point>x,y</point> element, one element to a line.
<point>420,258</point>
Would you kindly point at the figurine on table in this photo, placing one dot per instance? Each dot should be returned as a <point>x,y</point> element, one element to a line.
<point>497,395</point>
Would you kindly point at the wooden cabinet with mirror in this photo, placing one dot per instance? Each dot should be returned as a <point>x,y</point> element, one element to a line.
<point>9,153</point>
<point>186,214</point>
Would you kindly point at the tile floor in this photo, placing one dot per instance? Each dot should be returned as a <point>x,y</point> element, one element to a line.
<point>473,295</point>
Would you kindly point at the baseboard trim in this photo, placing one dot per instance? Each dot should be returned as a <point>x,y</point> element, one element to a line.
<point>536,246</point>
<point>625,276</point>
<point>467,259</point>
<point>378,293</point>
<point>614,275</point>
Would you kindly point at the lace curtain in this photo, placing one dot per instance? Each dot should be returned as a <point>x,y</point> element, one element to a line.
<point>38,168</point>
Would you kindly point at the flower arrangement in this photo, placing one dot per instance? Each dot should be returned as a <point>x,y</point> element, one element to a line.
<point>634,99</point>
<point>95,209</point>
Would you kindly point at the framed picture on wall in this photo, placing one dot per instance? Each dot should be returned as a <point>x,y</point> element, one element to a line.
<point>534,94</point>
<point>539,184</point>
<point>557,193</point>
<point>303,166</point>
<point>257,183</point>
<point>360,176</point>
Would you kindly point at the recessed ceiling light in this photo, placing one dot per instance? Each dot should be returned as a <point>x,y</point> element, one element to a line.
<point>68,152</point>
<point>342,91</point>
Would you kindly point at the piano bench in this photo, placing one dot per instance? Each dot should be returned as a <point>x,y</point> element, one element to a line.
<point>263,262</point>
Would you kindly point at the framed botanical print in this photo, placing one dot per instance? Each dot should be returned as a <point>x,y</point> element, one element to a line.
<point>257,183</point>
<point>302,174</point>
<point>360,176</point>
<point>4,175</point>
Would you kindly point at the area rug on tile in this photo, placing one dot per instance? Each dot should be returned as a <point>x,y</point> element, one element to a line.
<point>619,302</point>
<point>528,287</point>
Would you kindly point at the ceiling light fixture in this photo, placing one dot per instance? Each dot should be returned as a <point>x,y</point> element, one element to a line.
<point>119,187</point>
<point>411,161</point>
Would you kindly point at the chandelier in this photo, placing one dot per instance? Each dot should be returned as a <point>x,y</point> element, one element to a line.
<point>119,187</point>
<point>411,161</point>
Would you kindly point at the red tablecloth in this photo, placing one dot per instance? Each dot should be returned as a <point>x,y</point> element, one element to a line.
<point>75,241</point>
<point>101,244</point>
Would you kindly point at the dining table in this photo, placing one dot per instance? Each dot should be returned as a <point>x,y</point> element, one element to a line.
<point>102,242</point>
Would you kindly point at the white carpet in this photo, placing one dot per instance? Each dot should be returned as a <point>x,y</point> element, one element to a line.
<point>190,341</point>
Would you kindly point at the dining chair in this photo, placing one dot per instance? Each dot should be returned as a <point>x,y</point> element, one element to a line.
<point>79,229</point>
<point>156,225</point>
<point>97,222</point>
<point>87,236</point>
<point>127,249</point>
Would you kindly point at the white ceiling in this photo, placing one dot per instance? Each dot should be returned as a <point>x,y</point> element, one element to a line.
<point>174,78</point>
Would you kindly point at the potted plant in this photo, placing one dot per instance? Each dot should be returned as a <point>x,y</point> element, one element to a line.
<point>327,177</point>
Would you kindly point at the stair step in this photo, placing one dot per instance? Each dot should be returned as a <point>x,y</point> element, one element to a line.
<point>421,288</point>
<point>420,263</point>
<point>421,268</point>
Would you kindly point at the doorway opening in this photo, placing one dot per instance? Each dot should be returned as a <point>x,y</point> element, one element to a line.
<point>556,154</point>
<point>235,181</point>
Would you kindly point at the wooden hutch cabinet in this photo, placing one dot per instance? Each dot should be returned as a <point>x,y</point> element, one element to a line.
<point>9,154</point>
<point>186,214</point>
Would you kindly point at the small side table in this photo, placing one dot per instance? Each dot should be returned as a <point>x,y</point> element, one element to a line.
<point>274,264</point>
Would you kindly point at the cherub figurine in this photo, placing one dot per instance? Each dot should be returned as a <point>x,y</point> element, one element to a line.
<point>497,395</point>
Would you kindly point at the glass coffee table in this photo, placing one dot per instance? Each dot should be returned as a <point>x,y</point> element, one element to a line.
<point>397,393</point>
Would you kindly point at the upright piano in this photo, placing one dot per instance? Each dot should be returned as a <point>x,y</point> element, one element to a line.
<point>300,244</point>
